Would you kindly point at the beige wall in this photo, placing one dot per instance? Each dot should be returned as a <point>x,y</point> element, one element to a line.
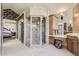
<point>76,8</point>
<point>76,24</point>
<point>38,10</point>
<point>76,19</point>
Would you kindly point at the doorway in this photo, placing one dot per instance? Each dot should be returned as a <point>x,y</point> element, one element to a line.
<point>22,32</point>
<point>20,28</point>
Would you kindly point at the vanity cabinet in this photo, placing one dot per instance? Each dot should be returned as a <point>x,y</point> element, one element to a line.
<point>72,45</point>
<point>51,39</point>
<point>78,48</point>
<point>69,44</point>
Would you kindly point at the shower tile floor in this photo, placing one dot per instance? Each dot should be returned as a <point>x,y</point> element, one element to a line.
<point>16,48</point>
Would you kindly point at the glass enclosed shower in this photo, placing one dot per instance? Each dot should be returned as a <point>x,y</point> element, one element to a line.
<point>34,30</point>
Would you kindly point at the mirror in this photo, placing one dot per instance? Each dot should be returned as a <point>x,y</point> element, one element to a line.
<point>65,22</point>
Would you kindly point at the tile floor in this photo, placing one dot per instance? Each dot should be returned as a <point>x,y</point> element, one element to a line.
<point>16,48</point>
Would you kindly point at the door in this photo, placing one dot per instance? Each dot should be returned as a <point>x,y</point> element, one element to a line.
<point>36,30</point>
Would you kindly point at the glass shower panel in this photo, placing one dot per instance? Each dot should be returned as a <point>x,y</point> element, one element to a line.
<point>35,30</point>
<point>43,31</point>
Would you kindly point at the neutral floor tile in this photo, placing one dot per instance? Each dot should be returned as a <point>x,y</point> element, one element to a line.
<point>16,48</point>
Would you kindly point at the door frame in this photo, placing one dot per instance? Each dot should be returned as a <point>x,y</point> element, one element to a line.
<point>20,31</point>
<point>19,21</point>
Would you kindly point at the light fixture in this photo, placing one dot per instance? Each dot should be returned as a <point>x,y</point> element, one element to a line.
<point>61,15</point>
<point>77,14</point>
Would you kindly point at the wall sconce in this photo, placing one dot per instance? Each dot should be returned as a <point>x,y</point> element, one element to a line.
<point>76,14</point>
<point>61,17</point>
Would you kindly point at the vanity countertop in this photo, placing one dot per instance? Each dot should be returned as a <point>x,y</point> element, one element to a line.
<point>73,34</point>
<point>65,36</point>
<point>61,36</point>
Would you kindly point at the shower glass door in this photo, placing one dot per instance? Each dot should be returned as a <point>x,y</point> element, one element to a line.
<point>36,26</point>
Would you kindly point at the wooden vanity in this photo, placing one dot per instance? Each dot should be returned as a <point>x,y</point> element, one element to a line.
<point>52,38</point>
<point>73,43</point>
<point>70,41</point>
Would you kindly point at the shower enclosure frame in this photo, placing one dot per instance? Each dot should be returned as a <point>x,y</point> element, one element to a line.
<point>47,29</point>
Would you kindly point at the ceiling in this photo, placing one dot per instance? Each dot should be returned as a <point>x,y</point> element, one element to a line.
<point>52,7</point>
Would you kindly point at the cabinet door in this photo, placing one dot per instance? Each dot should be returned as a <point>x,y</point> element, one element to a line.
<point>69,44</point>
<point>78,48</point>
<point>51,40</point>
<point>75,47</point>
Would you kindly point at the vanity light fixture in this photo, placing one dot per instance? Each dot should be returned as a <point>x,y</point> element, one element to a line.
<point>61,15</point>
<point>76,14</point>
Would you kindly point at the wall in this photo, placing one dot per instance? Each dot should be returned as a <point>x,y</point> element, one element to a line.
<point>76,23</point>
<point>38,10</point>
<point>76,19</point>
<point>76,8</point>
<point>9,24</point>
